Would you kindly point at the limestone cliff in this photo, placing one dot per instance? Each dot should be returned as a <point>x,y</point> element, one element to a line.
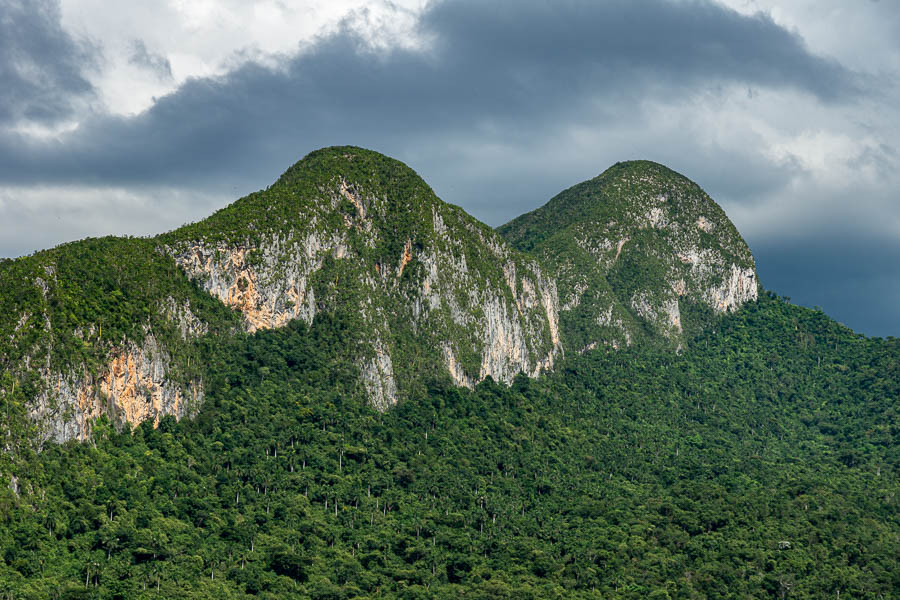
<point>134,386</point>
<point>113,326</point>
<point>427,283</point>
<point>632,250</point>
<point>102,327</point>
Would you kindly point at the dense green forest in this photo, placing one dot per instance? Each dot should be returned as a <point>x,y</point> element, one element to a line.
<point>761,462</point>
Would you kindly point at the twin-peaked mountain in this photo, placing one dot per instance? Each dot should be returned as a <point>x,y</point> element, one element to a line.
<point>119,326</point>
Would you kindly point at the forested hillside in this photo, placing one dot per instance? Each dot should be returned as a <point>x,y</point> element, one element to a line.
<point>68,312</point>
<point>760,462</point>
<point>114,327</point>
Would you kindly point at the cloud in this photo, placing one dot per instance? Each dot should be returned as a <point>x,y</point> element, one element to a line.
<point>42,67</point>
<point>157,64</point>
<point>487,66</point>
<point>50,215</point>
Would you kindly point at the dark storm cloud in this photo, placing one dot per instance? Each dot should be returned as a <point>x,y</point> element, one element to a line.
<point>520,68</point>
<point>855,279</point>
<point>41,66</point>
<point>677,43</point>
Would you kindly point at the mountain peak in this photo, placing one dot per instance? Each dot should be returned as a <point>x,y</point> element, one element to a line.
<point>352,232</point>
<point>636,249</point>
<point>331,184</point>
<point>359,164</point>
<point>639,167</point>
<point>636,255</point>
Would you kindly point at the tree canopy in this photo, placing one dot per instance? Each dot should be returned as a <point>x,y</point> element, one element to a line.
<point>760,462</point>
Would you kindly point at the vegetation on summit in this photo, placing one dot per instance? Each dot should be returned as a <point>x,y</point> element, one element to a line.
<point>641,255</point>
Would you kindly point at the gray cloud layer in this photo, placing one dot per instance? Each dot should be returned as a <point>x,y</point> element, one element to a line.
<point>155,63</point>
<point>516,65</point>
<point>41,71</point>
<point>487,111</point>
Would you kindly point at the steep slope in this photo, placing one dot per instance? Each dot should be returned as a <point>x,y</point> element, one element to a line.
<point>117,327</point>
<point>640,253</point>
<point>100,327</point>
<point>352,232</point>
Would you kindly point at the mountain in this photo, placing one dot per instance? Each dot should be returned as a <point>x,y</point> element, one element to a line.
<point>329,389</point>
<point>351,231</point>
<point>118,327</point>
<point>639,253</point>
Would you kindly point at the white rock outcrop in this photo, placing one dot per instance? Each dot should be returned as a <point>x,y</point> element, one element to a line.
<point>134,386</point>
<point>511,322</point>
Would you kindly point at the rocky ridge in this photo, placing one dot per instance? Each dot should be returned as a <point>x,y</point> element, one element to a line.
<point>625,258</point>
<point>426,274</point>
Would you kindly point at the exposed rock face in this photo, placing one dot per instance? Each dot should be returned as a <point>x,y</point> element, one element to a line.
<point>515,320</point>
<point>189,325</point>
<point>266,299</point>
<point>443,283</point>
<point>631,247</point>
<point>740,286</point>
<point>622,259</point>
<point>378,377</point>
<point>102,327</point>
<point>457,373</point>
<point>135,387</point>
<point>688,260</point>
<point>506,338</point>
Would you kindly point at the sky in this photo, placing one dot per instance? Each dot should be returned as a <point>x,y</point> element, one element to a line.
<point>136,117</point>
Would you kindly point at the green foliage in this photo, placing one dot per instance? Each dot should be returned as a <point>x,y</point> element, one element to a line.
<point>761,463</point>
<point>67,308</point>
<point>625,238</point>
<point>79,299</point>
